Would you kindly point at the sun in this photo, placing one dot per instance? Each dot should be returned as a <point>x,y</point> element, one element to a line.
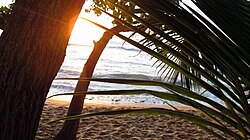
<point>5,2</point>
<point>85,32</point>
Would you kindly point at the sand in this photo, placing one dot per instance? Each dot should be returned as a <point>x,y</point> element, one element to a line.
<point>122,127</point>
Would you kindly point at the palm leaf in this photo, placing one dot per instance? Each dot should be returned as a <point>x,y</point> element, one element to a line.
<point>175,89</point>
<point>212,55</point>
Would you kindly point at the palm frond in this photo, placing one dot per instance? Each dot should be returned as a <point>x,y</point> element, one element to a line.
<point>210,53</point>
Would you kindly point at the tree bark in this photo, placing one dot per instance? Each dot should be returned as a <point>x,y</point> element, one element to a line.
<point>32,49</point>
<point>70,127</point>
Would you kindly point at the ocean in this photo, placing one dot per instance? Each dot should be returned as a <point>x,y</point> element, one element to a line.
<point>118,60</point>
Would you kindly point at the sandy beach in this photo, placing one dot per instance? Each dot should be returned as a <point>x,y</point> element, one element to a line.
<point>122,127</point>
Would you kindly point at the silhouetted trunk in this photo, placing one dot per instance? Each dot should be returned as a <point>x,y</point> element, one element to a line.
<point>70,127</point>
<point>32,49</point>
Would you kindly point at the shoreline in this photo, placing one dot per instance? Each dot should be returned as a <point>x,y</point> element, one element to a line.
<point>65,103</point>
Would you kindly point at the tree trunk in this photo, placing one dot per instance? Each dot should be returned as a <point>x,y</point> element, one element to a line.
<point>32,49</point>
<point>70,127</point>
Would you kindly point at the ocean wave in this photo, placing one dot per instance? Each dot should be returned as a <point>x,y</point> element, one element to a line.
<point>124,48</point>
<point>62,88</point>
<point>123,63</point>
<point>80,45</point>
<point>129,76</point>
<point>68,73</point>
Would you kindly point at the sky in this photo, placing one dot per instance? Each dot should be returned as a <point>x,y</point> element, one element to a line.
<point>5,2</point>
<point>84,32</point>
